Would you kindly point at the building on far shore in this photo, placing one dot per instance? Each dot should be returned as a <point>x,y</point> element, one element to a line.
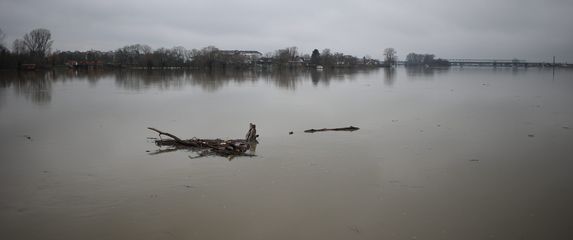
<point>249,56</point>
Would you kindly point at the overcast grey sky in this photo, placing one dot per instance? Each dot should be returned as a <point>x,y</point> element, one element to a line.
<point>524,29</point>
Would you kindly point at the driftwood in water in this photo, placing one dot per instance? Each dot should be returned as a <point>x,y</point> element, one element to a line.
<point>225,148</point>
<point>351,128</point>
<point>252,133</point>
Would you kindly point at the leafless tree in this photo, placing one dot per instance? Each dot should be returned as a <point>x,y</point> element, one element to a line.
<point>390,56</point>
<point>38,42</point>
<point>286,55</point>
<point>179,53</point>
<point>206,57</point>
<point>293,53</point>
<point>136,54</point>
<point>18,47</point>
<point>327,58</point>
<point>2,36</point>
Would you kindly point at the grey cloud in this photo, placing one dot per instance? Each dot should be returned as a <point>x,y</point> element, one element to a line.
<point>526,29</point>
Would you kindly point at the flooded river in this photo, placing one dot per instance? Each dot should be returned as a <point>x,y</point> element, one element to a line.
<point>460,153</point>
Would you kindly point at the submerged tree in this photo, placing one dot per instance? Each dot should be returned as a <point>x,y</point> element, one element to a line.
<point>390,56</point>
<point>284,56</point>
<point>18,47</point>
<point>4,52</point>
<point>326,58</point>
<point>38,42</point>
<point>136,54</point>
<point>206,57</point>
<point>2,36</point>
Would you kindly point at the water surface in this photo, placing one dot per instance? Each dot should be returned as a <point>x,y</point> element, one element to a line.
<point>472,153</point>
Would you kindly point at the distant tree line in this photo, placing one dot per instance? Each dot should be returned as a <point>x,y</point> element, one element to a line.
<point>414,59</point>
<point>34,49</point>
<point>328,59</point>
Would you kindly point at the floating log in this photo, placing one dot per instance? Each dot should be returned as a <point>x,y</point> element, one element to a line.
<point>350,129</point>
<point>225,148</point>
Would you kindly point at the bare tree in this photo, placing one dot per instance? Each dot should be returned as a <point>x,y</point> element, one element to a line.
<point>206,57</point>
<point>18,47</point>
<point>38,42</point>
<point>293,53</point>
<point>285,56</point>
<point>390,56</point>
<point>2,36</point>
<point>136,54</point>
<point>3,49</point>
<point>326,58</point>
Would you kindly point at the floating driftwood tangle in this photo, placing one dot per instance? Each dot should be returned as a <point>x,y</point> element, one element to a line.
<point>350,129</point>
<point>205,147</point>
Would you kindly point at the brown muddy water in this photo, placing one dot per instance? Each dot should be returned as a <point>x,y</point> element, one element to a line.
<point>472,153</point>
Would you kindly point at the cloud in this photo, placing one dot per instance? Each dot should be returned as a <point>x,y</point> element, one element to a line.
<point>534,30</point>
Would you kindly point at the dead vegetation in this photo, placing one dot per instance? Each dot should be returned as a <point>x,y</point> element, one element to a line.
<point>208,147</point>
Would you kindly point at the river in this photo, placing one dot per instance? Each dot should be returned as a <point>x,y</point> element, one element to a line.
<point>459,153</point>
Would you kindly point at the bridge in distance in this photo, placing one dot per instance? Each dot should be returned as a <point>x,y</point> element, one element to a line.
<point>496,63</point>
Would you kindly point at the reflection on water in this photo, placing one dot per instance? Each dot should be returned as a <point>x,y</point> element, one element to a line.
<point>425,72</point>
<point>214,80</point>
<point>36,86</point>
<point>389,76</point>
